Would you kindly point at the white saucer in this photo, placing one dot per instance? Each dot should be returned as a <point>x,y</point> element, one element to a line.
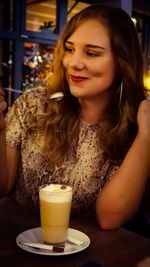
<point>34,236</point>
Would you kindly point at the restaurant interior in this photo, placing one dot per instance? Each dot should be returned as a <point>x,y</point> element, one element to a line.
<point>29,31</point>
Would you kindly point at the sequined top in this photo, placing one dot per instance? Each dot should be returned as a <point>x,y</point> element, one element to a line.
<point>85,167</point>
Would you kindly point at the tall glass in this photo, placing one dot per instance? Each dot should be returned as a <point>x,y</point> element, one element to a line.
<point>55,207</point>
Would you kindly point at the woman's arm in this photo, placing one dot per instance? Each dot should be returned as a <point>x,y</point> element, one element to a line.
<point>121,196</point>
<point>8,156</point>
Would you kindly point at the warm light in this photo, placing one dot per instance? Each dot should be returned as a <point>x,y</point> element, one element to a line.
<point>134,21</point>
<point>147,82</point>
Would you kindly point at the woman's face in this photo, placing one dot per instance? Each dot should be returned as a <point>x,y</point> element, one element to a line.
<point>89,63</point>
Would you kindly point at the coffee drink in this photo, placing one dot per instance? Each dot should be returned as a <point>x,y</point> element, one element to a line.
<point>55,207</point>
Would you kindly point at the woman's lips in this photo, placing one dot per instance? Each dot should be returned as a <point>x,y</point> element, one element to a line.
<point>78,79</point>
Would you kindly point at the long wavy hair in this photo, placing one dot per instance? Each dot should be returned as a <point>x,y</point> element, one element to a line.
<point>60,120</point>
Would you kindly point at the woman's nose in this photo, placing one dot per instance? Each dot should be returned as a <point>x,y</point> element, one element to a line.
<point>77,61</point>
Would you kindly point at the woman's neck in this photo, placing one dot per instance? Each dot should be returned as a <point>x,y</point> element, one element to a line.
<point>93,111</point>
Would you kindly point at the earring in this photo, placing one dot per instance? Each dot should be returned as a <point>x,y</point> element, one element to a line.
<point>121,90</point>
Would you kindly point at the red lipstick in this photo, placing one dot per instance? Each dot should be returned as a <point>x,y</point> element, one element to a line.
<point>78,79</point>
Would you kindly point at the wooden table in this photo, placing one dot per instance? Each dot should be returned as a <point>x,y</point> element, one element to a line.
<point>119,248</point>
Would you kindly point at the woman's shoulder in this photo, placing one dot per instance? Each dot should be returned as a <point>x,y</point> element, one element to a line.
<point>30,101</point>
<point>25,106</point>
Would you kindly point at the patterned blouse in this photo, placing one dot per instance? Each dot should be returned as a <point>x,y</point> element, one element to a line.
<point>85,167</point>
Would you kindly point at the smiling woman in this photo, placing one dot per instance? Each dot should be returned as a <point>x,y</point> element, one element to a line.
<point>89,60</point>
<point>96,139</point>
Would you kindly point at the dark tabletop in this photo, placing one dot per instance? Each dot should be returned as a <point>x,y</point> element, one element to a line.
<point>119,248</point>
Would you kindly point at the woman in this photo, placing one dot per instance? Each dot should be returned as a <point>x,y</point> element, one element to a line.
<point>97,138</point>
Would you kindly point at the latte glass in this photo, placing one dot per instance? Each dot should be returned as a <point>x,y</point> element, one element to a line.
<point>55,208</point>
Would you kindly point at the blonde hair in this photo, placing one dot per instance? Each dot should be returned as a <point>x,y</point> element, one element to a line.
<point>60,120</point>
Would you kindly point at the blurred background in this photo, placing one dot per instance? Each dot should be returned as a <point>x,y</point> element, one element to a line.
<point>30,29</point>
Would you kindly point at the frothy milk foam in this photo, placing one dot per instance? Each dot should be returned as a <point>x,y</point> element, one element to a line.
<point>55,206</point>
<point>64,193</point>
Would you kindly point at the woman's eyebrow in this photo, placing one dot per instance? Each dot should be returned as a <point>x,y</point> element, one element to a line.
<point>88,45</point>
<point>95,46</point>
<point>68,42</point>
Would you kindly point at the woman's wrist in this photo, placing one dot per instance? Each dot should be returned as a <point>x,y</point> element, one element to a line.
<point>143,150</point>
<point>2,124</point>
<point>2,135</point>
<point>144,140</point>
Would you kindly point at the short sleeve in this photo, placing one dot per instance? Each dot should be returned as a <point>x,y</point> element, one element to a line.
<point>112,172</point>
<point>19,118</point>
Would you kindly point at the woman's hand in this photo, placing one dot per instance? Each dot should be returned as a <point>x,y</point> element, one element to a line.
<point>3,106</point>
<point>143,119</point>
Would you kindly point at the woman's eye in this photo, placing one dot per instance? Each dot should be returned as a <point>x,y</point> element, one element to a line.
<point>92,54</point>
<point>69,49</point>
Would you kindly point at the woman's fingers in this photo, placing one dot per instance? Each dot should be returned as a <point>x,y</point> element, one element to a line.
<point>3,103</point>
<point>3,106</point>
